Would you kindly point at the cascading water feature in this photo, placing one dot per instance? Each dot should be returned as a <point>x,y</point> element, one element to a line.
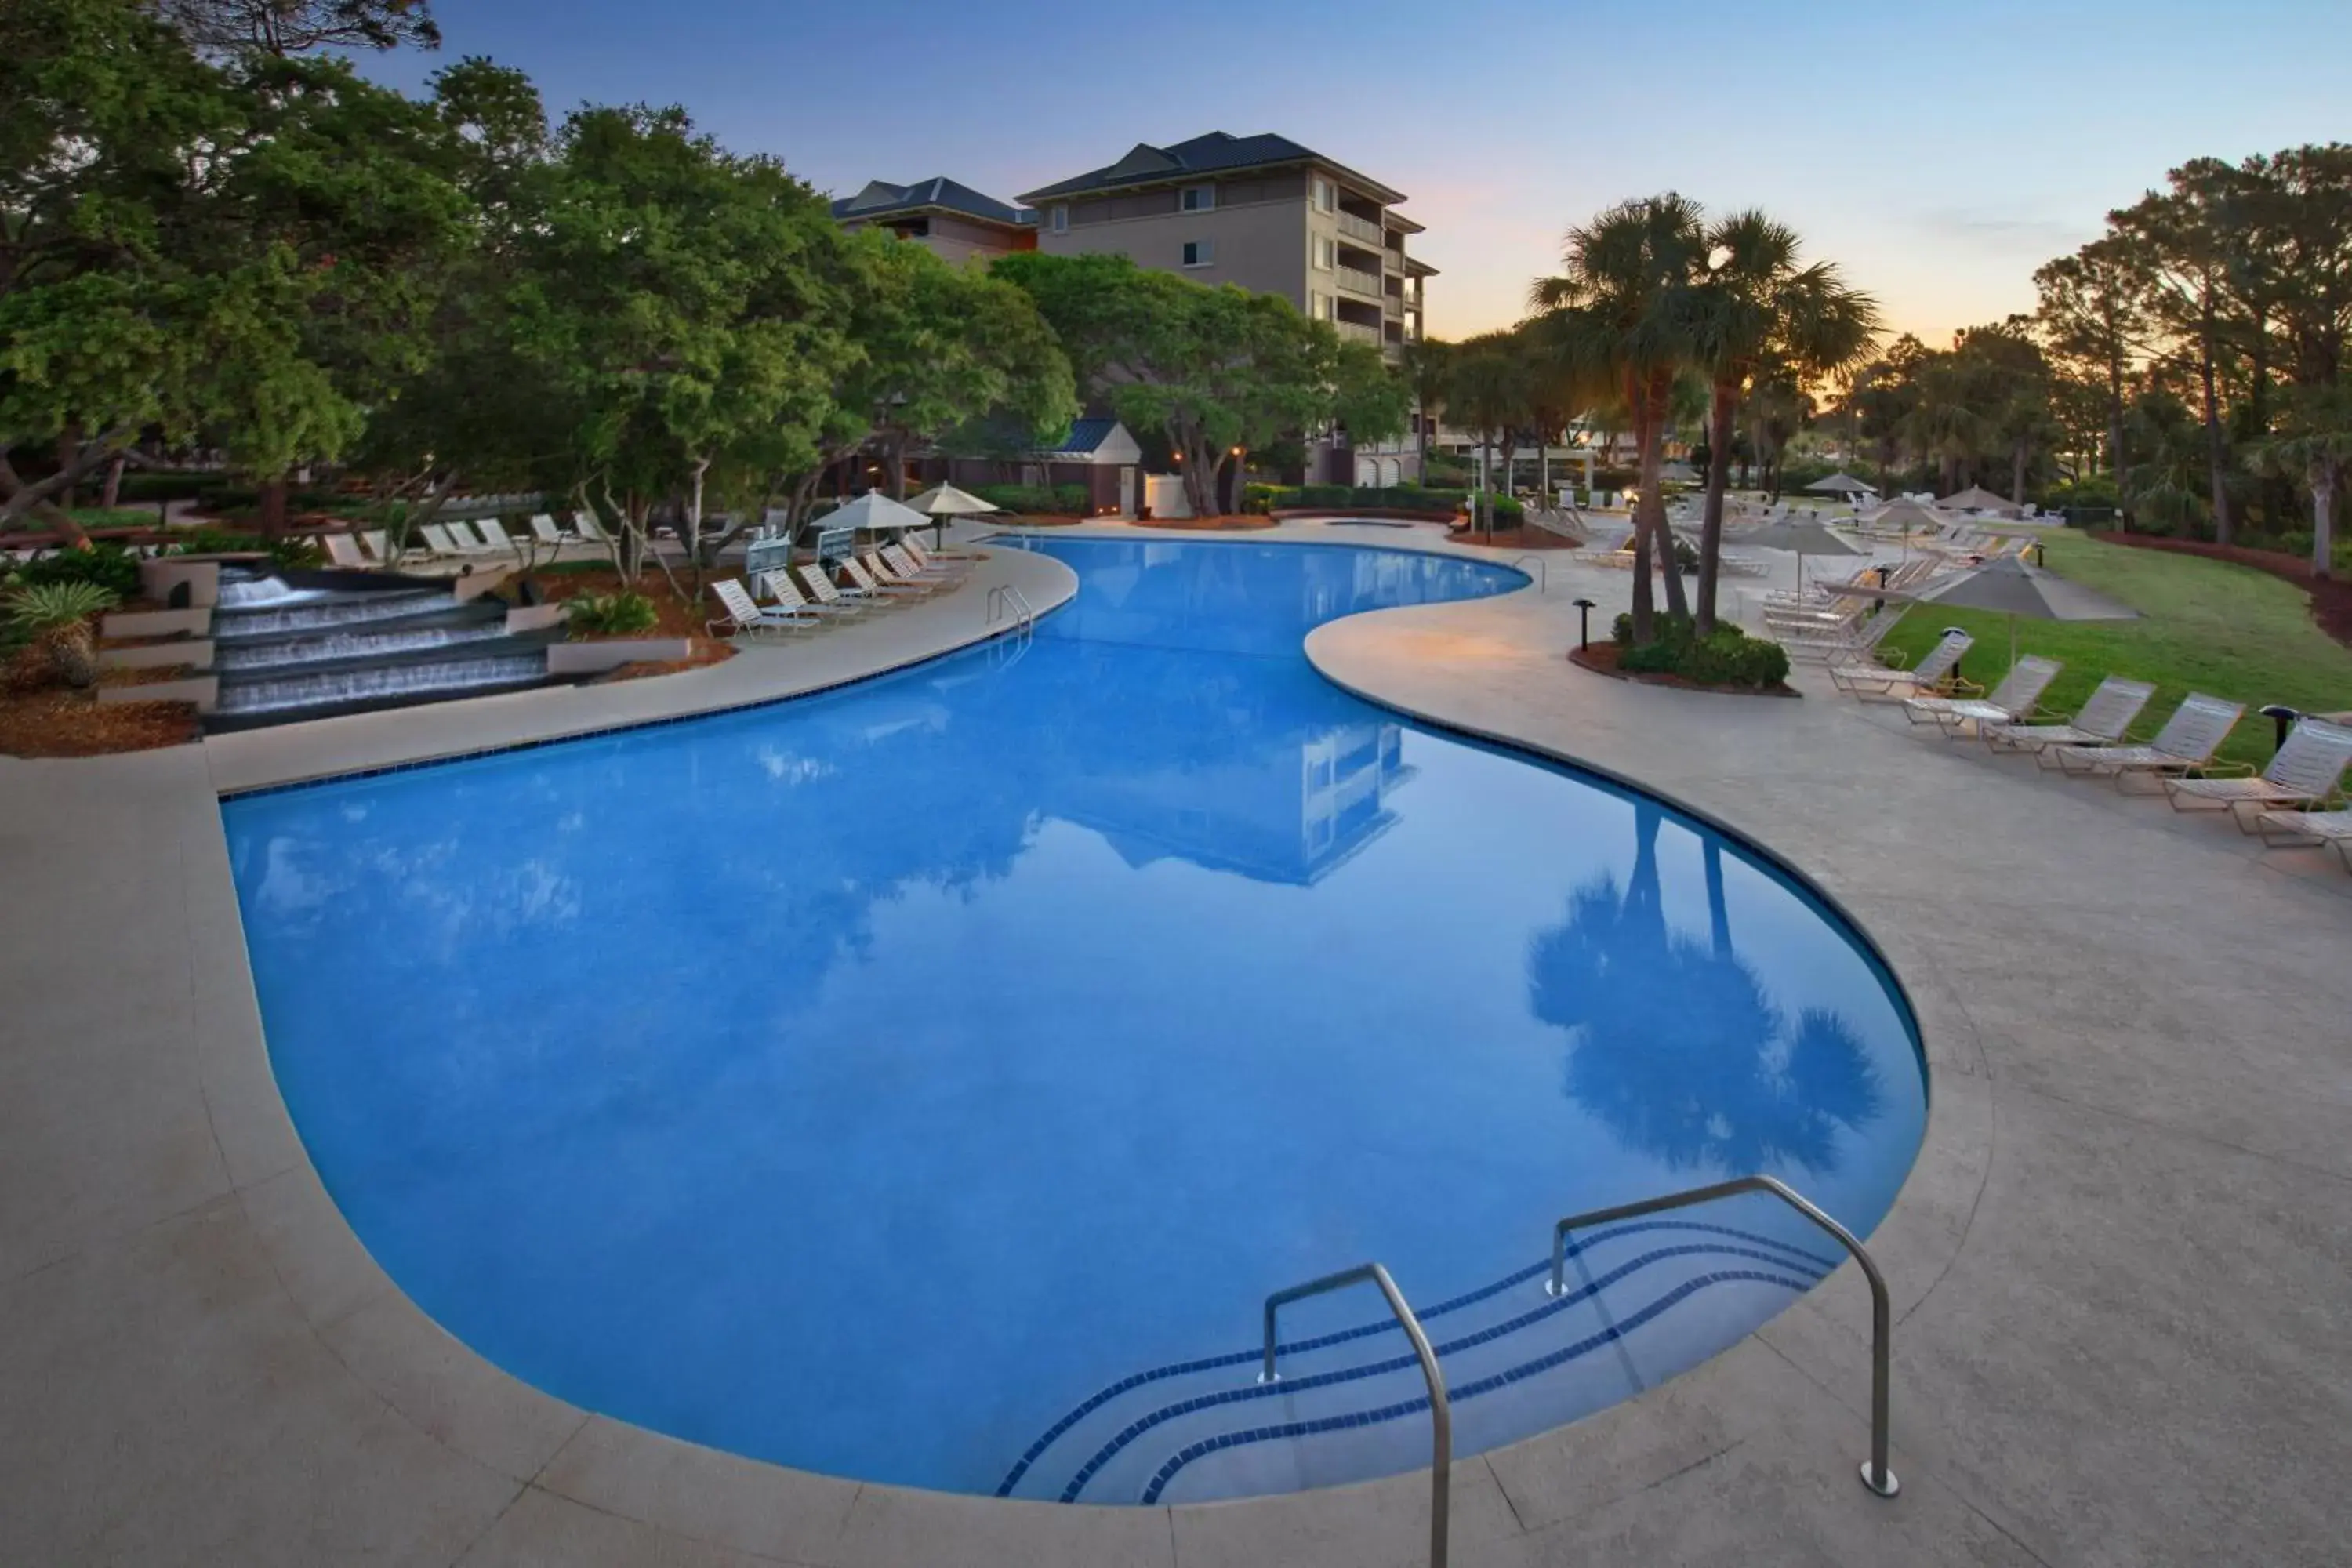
<point>304,645</point>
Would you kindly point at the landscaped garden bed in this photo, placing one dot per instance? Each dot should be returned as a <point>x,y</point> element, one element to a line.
<point>1727,660</point>
<point>663,612</point>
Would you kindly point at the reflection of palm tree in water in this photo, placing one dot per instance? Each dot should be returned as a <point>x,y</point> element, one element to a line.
<point>1679,1051</point>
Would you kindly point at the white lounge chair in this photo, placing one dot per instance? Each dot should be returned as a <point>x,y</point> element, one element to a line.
<point>439,540</point>
<point>1878,682</point>
<point>787,596</point>
<point>742,615</point>
<point>342,549</point>
<point>2101,721</point>
<point>1848,645</point>
<point>910,570</point>
<point>894,578</point>
<point>821,590</point>
<point>2308,830</point>
<point>495,540</point>
<point>924,556</point>
<point>590,531</point>
<point>857,584</point>
<point>2304,775</point>
<point>544,529</point>
<point>2011,702</point>
<point>2186,742</point>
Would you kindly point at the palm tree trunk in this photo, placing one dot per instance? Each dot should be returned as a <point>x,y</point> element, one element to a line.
<point>1653,503</point>
<point>1644,613</point>
<point>1719,474</point>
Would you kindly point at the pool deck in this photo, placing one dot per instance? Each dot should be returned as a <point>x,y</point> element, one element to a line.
<point>2122,1267</point>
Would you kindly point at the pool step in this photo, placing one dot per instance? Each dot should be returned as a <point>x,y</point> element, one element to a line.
<point>1350,1403</point>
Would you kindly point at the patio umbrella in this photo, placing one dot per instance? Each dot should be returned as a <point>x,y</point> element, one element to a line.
<point>2006,585</point>
<point>1843,484</point>
<point>1976,497</point>
<point>875,512</point>
<point>943,501</point>
<point>1805,536</point>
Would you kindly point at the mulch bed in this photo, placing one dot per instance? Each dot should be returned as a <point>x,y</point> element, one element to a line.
<point>676,619</point>
<point>1600,659</point>
<point>1512,539</point>
<point>2331,598</point>
<point>39,718</point>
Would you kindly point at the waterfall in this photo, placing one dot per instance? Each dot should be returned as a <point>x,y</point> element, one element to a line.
<point>380,682</point>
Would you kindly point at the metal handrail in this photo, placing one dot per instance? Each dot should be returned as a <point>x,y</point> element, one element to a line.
<point>1440,1412</point>
<point>1874,1474</point>
<point>1543,572</point>
<point>1007,600</point>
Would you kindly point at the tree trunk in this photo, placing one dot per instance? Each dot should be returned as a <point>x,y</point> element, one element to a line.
<point>693,528</point>
<point>894,449</point>
<point>111,491</point>
<point>1719,474</point>
<point>2017,474</point>
<point>68,462</point>
<point>2216,450</point>
<point>273,508</point>
<point>2322,523</point>
<point>1653,501</point>
<point>1645,615</point>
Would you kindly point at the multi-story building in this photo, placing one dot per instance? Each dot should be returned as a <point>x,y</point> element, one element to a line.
<point>1259,211</point>
<point>955,221</point>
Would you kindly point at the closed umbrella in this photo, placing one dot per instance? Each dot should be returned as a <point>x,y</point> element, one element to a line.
<point>1805,536</point>
<point>2006,585</point>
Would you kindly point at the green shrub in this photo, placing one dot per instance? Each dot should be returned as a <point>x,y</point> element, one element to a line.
<point>1727,656</point>
<point>109,566</point>
<point>57,616</point>
<point>619,615</point>
<point>1035,501</point>
<point>290,552</point>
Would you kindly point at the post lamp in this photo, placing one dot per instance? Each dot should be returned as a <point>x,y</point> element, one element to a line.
<point>2282,718</point>
<point>1584,608</point>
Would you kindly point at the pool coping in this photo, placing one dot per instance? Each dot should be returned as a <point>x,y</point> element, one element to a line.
<point>721,1498</point>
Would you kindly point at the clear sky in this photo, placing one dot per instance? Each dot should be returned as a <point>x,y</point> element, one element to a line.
<point>1939,152</point>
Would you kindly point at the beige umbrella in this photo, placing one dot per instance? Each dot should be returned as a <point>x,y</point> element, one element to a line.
<point>1976,497</point>
<point>943,501</point>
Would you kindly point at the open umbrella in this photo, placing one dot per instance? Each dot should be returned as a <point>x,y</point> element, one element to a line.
<point>1976,497</point>
<point>1843,484</point>
<point>2006,585</point>
<point>943,501</point>
<point>1805,536</point>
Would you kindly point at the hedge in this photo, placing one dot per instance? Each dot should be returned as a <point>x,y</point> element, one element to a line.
<point>1729,656</point>
<point>1035,501</point>
<point>1385,498</point>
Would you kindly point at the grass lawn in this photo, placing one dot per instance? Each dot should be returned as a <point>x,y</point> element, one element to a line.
<point>2204,626</point>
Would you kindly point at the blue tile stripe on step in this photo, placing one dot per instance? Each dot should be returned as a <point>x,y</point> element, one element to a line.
<point>1463,1395</point>
<point>1577,1247</point>
<point>1551,1307</point>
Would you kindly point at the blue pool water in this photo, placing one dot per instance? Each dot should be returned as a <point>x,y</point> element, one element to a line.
<point>927,1082</point>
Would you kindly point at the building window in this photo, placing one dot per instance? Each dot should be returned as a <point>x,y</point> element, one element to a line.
<point>1327,251</point>
<point>1061,220</point>
<point>1199,198</point>
<point>1199,252</point>
<point>1326,198</point>
<point>1319,305</point>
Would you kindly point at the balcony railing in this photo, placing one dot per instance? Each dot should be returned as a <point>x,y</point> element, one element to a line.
<point>1354,280</point>
<point>1355,331</point>
<point>1392,307</point>
<point>1355,227</point>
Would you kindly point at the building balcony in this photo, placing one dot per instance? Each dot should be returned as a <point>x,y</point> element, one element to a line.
<point>1355,280</point>
<point>1392,307</point>
<point>1355,227</point>
<point>1355,331</point>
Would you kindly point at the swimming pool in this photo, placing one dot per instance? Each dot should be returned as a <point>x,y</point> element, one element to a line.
<point>928,1082</point>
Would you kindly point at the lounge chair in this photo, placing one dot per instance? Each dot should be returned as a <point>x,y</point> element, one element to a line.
<point>495,540</point>
<point>924,556</point>
<point>2101,721</point>
<point>891,579</point>
<point>1878,682</point>
<point>786,593</point>
<point>2186,742</point>
<point>1852,644</point>
<point>2011,702</point>
<point>2304,774</point>
<point>821,590</point>
<point>857,584</point>
<point>742,616</point>
<point>590,531</point>
<point>376,544</point>
<point>861,572</point>
<point>439,540</point>
<point>342,549</point>
<point>909,570</point>
<point>2307,829</point>
<point>544,529</point>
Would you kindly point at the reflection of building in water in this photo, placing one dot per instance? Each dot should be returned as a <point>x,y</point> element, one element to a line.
<point>1286,811</point>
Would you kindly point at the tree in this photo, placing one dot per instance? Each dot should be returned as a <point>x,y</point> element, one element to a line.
<point>1427,362</point>
<point>2314,444</point>
<point>2186,252</point>
<point>1758,308</point>
<point>1622,309</point>
<point>299,26</point>
<point>1220,371</point>
<point>1491,393</point>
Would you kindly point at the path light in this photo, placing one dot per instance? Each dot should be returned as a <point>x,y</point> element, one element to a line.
<point>1584,608</point>
<point>2283,718</point>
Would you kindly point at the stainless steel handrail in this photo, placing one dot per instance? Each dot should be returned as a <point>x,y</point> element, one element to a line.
<point>1441,1413</point>
<point>1543,572</point>
<point>1874,1474</point>
<point>1007,600</point>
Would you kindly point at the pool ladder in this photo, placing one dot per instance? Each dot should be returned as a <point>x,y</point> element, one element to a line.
<point>1003,600</point>
<point>1874,1472</point>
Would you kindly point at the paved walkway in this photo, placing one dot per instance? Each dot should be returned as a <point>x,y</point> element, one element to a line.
<point>2119,1266</point>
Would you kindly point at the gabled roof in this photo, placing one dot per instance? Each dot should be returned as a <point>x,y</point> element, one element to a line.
<point>1217,153</point>
<point>1105,440</point>
<point>880,198</point>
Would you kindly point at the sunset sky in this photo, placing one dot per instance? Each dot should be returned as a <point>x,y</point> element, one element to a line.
<point>1939,152</point>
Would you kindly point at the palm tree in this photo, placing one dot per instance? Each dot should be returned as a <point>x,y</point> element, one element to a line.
<point>1427,364</point>
<point>2314,443</point>
<point>1490,390</point>
<point>1622,307</point>
<point>1758,306</point>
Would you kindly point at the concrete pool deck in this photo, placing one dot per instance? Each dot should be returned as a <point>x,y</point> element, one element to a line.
<point>2119,1266</point>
